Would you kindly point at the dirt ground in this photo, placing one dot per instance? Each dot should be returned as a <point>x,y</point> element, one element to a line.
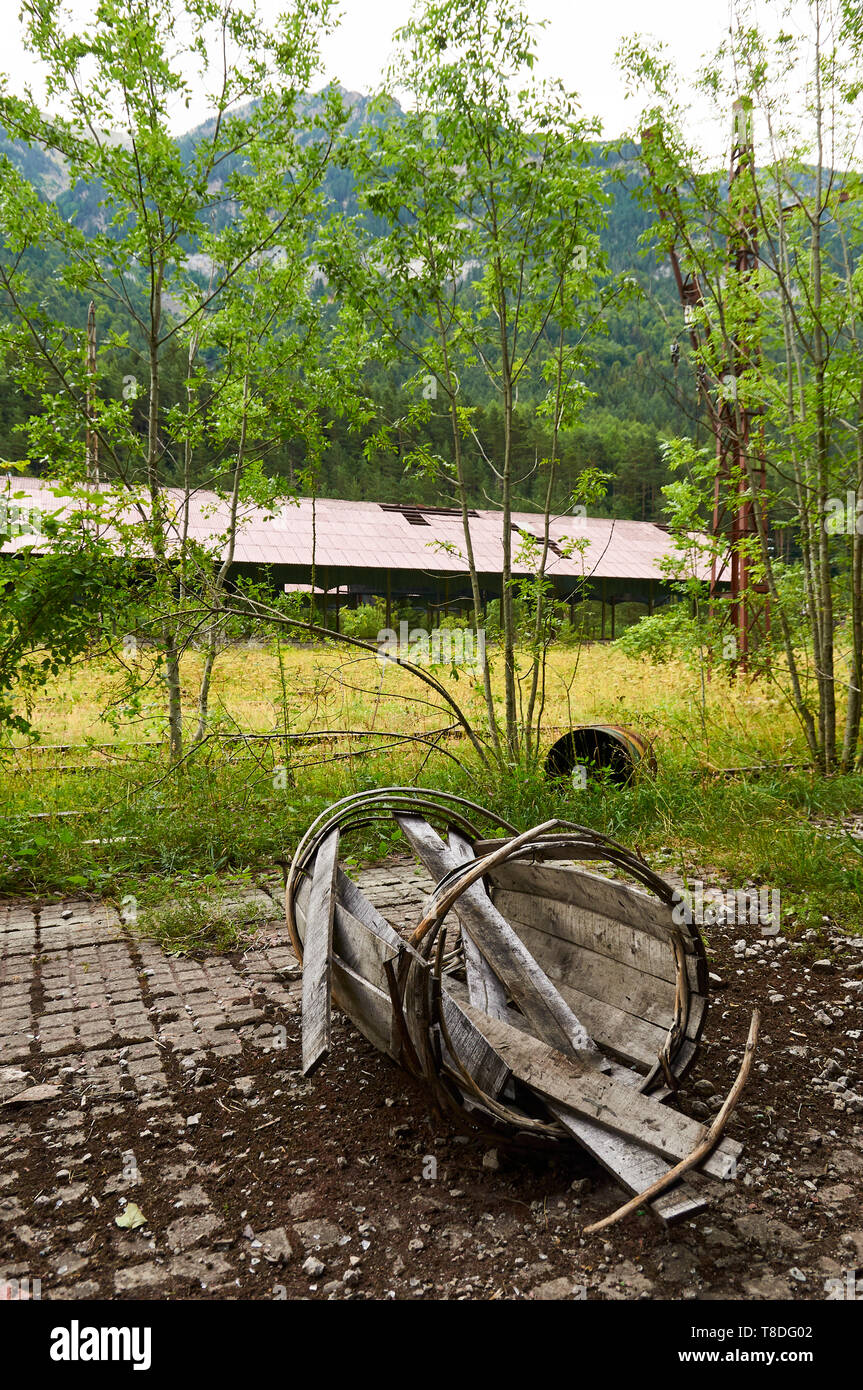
<point>174,1084</point>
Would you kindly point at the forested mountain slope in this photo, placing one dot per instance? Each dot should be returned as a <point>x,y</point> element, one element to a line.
<point>636,398</point>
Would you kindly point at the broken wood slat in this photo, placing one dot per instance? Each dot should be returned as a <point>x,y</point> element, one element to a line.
<point>366,1002</point>
<point>503,949</point>
<point>364,944</point>
<point>613,940</point>
<point>619,901</point>
<point>317,952</point>
<point>369,1008</point>
<point>707,1144</point>
<point>473,1051</point>
<point>483,986</point>
<point>630,1164</point>
<point>487,993</point>
<point>356,902</point>
<point>684,1057</point>
<point>599,1098</point>
<point>634,1042</point>
<point>569,922</point>
<point>563,847</point>
<point>364,950</point>
<point>364,941</point>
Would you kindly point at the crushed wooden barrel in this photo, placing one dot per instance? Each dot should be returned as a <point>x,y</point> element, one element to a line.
<point>537,998</point>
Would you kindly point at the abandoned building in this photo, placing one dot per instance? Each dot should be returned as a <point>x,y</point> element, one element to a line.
<point>352,552</point>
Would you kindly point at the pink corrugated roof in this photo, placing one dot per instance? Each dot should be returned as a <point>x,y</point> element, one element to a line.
<point>365,535</point>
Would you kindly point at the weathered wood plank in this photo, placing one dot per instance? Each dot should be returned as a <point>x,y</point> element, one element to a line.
<point>484,988</point>
<point>592,930</point>
<point>361,948</point>
<point>472,1049</point>
<point>317,953</point>
<point>368,1008</point>
<point>599,1098</point>
<point>354,899</point>
<point>618,901</point>
<point>606,980</point>
<point>363,940</point>
<point>365,1001</point>
<point>631,1039</point>
<point>633,1166</point>
<point>639,1046</point>
<point>505,952</point>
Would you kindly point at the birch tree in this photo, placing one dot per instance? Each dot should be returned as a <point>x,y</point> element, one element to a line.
<point>477,250</point>
<point>173,231</point>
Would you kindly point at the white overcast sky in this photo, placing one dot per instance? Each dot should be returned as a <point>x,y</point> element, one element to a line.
<point>578,46</point>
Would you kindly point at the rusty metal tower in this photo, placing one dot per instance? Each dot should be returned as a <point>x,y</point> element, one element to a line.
<point>738,506</point>
<point>738,503</point>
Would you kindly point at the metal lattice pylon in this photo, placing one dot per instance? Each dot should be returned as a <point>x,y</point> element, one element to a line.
<point>739,513</point>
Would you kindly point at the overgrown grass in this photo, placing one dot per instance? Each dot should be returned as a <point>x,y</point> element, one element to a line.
<point>201,916</point>
<point>176,840</point>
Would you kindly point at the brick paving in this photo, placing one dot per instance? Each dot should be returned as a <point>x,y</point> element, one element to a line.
<point>178,1088</point>
<point>89,1006</point>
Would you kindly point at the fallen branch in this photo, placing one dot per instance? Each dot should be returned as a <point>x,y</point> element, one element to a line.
<point>701,1151</point>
